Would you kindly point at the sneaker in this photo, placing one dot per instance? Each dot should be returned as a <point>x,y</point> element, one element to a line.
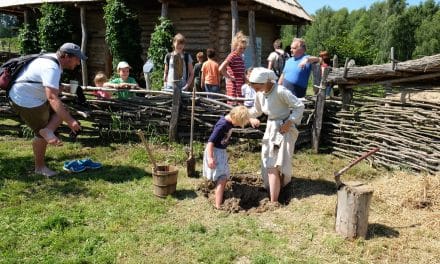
<point>73,166</point>
<point>90,164</point>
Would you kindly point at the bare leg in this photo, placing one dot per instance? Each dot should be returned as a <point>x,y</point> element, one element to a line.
<point>274,184</point>
<point>219,190</point>
<point>39,148</point>
<point>47,132</point>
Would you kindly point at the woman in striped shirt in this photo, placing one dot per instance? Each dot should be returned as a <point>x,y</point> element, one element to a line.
<point>233,66</point>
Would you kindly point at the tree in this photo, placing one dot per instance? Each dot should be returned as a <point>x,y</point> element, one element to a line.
<point>54,27</point>
<point>427,40</point>
<point>123,35</point>
<point>8,26</point>
<point>28,39</point>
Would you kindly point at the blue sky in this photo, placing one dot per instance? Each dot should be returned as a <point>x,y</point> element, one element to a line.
<point>312,5</point>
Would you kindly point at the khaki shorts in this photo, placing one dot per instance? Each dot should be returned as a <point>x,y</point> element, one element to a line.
<point>35,118</point>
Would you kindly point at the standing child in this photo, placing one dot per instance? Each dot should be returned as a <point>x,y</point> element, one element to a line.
<point>124,81</point>
<point>247,91</point>
<point>215,158</point>
<point>99,80</point>
<point>210,73</point>
<point>178,68</point>
<point>198,71</point>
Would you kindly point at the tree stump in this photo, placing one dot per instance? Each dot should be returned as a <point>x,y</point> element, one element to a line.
<point>352,210</point>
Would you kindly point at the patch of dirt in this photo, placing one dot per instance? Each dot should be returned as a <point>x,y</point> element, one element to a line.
<point>245,193</point>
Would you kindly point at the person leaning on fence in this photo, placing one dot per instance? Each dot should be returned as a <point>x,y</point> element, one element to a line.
<point>284,111</point>
<point>99,80</point>
<point>233,67</point>
<point>215,157</point>
<point>38,103</point>
<point>296,72</point>
<point>124,82</point>
<point>210,80</point>
<point>178,68</point>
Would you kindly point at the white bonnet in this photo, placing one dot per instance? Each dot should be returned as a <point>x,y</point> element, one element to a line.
<point>262,75</point>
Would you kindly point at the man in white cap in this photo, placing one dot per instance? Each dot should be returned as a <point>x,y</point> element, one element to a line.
<point>34,96</point>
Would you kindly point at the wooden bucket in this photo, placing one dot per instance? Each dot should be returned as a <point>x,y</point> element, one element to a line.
<point>164,180</point>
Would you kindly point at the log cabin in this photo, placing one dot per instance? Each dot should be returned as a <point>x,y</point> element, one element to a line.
<point>203,23</point>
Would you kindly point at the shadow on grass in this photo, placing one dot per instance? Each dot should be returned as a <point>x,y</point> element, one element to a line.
<point>379,230</point>
<point>301,188</point>
<point>184,194</point>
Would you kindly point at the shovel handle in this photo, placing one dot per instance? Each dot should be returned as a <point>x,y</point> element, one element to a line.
<point>142,137</point>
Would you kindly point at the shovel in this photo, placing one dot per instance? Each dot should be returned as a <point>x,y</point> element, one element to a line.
<point>191,162</point>
<point>142,137</point>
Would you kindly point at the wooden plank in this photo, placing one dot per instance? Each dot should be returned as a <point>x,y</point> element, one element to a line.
<point>319,112</point>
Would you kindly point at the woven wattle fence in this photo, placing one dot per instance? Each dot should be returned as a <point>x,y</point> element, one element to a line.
<point>151,111</point>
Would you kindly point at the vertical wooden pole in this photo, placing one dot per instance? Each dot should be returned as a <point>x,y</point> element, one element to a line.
<point>252,37</point>
<point>84,37</point>
<point>319,112</point>
<point>347,96</point>
<point>164,11</point>
<point>175,112</point>
<point>234,16</point>
<point>26,17</point>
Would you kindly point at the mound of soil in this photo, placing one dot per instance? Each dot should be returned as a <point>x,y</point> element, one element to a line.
<point>245,193</point>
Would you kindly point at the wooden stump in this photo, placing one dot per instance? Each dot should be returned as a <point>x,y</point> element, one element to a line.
<point>352,210</point>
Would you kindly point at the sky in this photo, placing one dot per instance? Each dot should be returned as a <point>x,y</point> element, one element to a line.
<point>312,5</point>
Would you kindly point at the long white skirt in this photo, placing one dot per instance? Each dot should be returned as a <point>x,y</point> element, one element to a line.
<point>221,171</point>
<point>277,151</point>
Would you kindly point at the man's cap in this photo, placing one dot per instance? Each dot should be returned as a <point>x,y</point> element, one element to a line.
<point>122,65</point>
<point>73,49</point>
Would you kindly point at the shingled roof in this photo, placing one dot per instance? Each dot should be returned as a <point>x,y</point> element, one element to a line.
<point>291,7</point>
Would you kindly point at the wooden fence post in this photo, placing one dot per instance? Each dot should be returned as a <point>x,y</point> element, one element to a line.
<point>175,111</point>
<point>319,111</point>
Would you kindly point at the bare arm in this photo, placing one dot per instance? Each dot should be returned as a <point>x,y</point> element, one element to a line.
<point>210,153</point>
<point>190,75</point>
<point>270,65</point>
<point>165,74</point>
<point>60,110</point>
<point>222,70</point>
<point>281,79</point>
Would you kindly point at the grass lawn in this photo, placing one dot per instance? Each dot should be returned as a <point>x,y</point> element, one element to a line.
<point>110,215</point>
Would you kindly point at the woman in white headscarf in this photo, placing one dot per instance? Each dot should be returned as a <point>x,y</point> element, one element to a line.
<point>284,112</point>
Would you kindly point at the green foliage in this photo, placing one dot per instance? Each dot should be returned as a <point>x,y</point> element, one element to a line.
<point>123,35</point>
<point>28,40</point>
<point>426,44</point>
<point>161,42</point>
<point>156,79</point>
<point>368,35</point>
<point>8,26</point>
<point>54,27</point>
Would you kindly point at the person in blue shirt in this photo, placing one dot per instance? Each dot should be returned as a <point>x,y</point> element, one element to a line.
<point>215,157</point>
<point>295,76</point>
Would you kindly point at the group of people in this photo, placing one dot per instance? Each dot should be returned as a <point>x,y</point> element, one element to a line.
<point>274,92</point>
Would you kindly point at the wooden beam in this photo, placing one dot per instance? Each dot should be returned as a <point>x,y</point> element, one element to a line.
<point>84,37</point>
<point>164,11</point>
<point>234,17</point>
<point>252,37</point>
<point>319,112</point>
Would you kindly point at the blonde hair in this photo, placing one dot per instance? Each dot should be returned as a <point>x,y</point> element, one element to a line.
<point>240,115</point>
<point>239,39</point>
<point>200,54</point>
<point>100,77</point>
<point>178,39</point>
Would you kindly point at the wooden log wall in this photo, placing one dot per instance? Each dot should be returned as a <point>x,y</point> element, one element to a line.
<point>408,134</point>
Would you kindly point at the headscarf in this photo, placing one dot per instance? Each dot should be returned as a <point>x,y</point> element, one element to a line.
<point>262,75</point>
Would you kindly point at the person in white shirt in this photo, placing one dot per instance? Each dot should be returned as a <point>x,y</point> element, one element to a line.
<point>247,91</point>
<point>34,96</point>
<point>284,111</point>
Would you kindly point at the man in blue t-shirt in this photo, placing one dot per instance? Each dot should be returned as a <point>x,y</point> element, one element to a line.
<point>295,76</point>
